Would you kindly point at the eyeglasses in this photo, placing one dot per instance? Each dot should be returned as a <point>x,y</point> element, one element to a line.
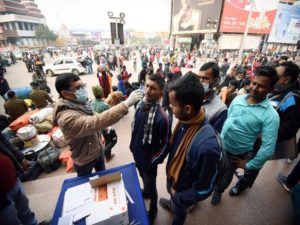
<point>83,86</point>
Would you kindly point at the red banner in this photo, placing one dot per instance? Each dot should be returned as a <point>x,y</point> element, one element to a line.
<point>235,16</point>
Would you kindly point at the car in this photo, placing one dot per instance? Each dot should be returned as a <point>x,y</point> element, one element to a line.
<point>4,60</point>
<point>18,55</point>
<point>64,65</point>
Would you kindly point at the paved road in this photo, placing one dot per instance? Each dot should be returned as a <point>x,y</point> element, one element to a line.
<point>17,76</point>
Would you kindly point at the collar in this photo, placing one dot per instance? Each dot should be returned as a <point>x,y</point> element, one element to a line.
<point>209,99</point>
<point>264,103</point>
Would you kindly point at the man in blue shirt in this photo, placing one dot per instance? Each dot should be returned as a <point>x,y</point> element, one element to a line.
<point>248,117</point>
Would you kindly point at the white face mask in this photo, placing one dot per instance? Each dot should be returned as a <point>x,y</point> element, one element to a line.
<point>82,95</point>
<point>207,87</point>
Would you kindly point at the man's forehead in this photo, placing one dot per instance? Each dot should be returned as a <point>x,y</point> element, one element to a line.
<point>262,80</point>
<point>280,70</point>
<point>75,84</point>
<point>206,73</point>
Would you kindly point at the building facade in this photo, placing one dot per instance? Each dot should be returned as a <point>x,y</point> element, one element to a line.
<point>18,20</point>
<point>219,25</point>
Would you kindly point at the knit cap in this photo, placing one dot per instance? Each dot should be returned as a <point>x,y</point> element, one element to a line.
<point>97,91</point>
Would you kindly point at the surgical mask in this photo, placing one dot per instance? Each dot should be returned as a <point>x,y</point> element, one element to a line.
<point>281,88</point>
<point>81,95</point>
<point>207,87</point>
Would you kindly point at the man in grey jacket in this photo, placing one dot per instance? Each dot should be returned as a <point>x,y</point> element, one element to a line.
<point>215,109</point>
<point>80,126</point>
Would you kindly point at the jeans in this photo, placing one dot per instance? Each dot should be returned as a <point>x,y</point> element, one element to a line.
<point>111,66</point>
<point>111,139</point>
<point>179,213</point>
<point>295,194</point>
<point>86,169</point>
<point>17,211</point>
<point>149,180</point>
<point>294,176</point>
<point>89,68</point>
<point>234,162</point>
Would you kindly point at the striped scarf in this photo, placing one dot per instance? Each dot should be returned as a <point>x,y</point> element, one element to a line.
<point>150,121</point>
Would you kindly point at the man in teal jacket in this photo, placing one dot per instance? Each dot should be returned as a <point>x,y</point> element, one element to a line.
<point>248,117</point>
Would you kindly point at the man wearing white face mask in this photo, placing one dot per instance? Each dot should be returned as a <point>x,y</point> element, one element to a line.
<point>215,109</point>
<point>80,126</point>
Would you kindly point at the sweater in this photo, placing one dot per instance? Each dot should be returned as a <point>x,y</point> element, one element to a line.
<point>215,111</point>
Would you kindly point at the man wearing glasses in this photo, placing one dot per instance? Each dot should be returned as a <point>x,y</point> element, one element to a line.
<point>80,126</point>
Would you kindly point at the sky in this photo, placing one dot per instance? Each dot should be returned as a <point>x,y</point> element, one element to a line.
<point>140,15</point>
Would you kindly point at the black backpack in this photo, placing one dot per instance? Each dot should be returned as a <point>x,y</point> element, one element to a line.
<point>48,158</point>
<point>205,132</point>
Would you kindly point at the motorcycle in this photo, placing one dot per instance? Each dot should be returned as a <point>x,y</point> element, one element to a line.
<point>40,78</point>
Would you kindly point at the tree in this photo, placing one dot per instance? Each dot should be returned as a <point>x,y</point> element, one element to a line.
<point>43,32</point>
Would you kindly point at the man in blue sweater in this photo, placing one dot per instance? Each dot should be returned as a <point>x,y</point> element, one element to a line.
<point>150,135</point>
<point>249,116</point>
<point>194,150</point>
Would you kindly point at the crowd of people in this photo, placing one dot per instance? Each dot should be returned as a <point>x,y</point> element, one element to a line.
<point>229,116</point>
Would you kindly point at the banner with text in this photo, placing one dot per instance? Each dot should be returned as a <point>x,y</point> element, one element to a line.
<point>235,16</point>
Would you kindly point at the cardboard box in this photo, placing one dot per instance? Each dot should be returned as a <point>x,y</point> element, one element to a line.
<point>106,203</point>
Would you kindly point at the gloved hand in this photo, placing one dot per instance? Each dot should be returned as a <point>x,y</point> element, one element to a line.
<point>134,97</point>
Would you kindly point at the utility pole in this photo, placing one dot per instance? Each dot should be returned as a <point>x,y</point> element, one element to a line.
<point>210,24</point>
<point>246,32</point>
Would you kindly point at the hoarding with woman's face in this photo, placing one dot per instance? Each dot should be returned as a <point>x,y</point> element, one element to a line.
<point>191,16</point>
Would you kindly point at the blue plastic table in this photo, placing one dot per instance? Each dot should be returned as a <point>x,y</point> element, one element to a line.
<point>136,212</point>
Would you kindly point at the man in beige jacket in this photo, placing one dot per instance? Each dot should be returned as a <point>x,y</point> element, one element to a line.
<point>80,126</point>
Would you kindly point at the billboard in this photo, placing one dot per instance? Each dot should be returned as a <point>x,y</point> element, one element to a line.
<point>235,16</point>
<point>191,16</point>
<point>233,41</point>
<point>286,27</point>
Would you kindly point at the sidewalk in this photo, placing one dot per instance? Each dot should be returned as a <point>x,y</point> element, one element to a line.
<point>266,203</point>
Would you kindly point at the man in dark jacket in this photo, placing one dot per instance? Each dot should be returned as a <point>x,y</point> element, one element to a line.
<point>194,151</point>
<point>142,75</point>
<point>286,100</point>
<point>149,138</point>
